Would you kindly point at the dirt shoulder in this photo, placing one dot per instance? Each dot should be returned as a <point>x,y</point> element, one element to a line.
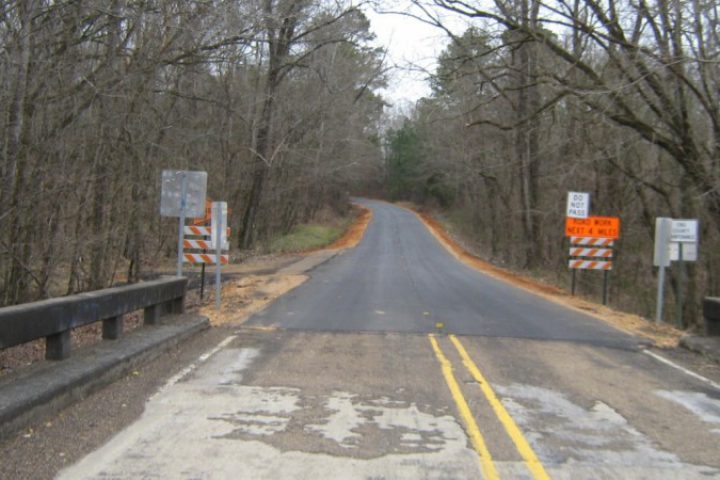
<point>663,336</point>
<point>355,232</point>
<point>243,297</point>
<point>247,287</point>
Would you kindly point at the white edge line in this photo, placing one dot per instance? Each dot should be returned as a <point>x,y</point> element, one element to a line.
<point>187,370</point>
<point>696,376</point>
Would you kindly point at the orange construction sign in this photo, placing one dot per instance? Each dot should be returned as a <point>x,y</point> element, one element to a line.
<point>206,220</point>
<point>208,215</point>
<point>595,227</point>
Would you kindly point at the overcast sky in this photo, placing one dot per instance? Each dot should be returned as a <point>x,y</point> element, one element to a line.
<point>413,48</point>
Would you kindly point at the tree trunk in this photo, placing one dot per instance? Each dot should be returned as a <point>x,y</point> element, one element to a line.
<point>527,143</point>
<point>260,171</point>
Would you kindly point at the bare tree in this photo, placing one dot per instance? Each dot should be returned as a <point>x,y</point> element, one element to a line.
<point>99,97</point>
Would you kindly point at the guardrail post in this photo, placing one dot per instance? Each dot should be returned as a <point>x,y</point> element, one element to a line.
<point>112,328</point>
<point>151,315</point>
<point>57,346</point>
<point>177,305</point>
<point>711,312</point>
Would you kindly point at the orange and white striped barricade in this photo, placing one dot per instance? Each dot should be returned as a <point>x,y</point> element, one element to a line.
<point>196,247</point>
<point>590,253</point>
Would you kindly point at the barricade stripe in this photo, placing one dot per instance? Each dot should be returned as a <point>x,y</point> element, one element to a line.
<point>591,241</point>
<point>203,258</point>
<point>591,252</point>
<point>590,265</point>
<point>199,244</point>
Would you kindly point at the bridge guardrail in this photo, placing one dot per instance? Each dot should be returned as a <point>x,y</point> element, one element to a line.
<point>55,318</point>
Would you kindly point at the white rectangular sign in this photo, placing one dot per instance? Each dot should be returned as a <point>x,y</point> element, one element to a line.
<point>685,231</point>
<point>663,226</point>
<point>690,252</point>
<point>175,183</point>
<point>578,205</point>
<point>219,214</point>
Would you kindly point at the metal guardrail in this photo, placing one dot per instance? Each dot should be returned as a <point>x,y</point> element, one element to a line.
<point>711,312</point>
<point>54,319</point>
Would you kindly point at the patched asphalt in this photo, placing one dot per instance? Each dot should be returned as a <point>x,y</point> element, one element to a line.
<point>347,377</point>
<point>400,279</point>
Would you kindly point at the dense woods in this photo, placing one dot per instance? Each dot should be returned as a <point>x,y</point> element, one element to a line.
<point>535,99</point>
<point>273,98</point>
<point>277,100</point>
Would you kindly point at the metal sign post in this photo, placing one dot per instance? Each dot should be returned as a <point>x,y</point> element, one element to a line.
<point>218,239</point>
<point>681,280</point>
<point>684,234</point>
<point>578,206</point>
<point>205,221</point>
<point>663,227</point>
<point>182,195</point>
<point>181,224</point>
<point>606,286</point>
<point>202,279</point>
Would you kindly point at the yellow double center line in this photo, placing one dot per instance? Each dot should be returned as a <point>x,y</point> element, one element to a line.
<point>521,444</point>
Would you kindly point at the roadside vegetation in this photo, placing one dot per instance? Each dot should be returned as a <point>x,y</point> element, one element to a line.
<point>99,97</point>
<point>307,237</point>
<point>538,98</point>
<point>534,99</point>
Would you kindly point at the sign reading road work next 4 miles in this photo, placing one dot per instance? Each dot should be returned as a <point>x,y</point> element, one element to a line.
<point>593,227</point>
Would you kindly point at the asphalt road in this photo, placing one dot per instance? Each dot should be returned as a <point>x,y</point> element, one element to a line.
<point>400,279</point>
<point>346,377</point>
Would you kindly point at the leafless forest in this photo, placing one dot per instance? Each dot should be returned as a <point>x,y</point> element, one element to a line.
<point>273,98</point>
<point>277,100</point>
<point>538,98</point>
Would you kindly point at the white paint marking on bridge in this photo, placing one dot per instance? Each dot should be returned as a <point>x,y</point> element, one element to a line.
<point>205,423</point>
<point>189,369</point>
<point>674,365</point>
<point>705,408</point>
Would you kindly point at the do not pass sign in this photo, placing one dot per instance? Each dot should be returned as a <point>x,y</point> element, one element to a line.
<point>593,227</point>
<point>578,205</point>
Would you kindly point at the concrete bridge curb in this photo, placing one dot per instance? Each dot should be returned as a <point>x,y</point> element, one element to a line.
<point>48,387</point>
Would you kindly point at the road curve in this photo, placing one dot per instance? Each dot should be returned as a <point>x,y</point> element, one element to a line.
<point>400,279</point>
<point>520,388</point>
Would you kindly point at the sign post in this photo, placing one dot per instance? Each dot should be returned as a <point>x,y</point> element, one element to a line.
<point>681,281</point>
<point>683,233</point>
<point>578,206</point>
<point>181,224</point>
<point>218,239</point>
<point>663,227</point>
<point>182,195</point>
<point>205,221</point>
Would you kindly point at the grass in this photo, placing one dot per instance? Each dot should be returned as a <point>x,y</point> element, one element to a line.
<point>307,237</point>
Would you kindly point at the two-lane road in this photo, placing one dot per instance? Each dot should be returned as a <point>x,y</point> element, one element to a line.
<point>345,377</point>
<point>399,279</point>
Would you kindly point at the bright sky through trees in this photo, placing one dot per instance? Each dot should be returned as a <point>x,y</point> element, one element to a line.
<point>413,48</point>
